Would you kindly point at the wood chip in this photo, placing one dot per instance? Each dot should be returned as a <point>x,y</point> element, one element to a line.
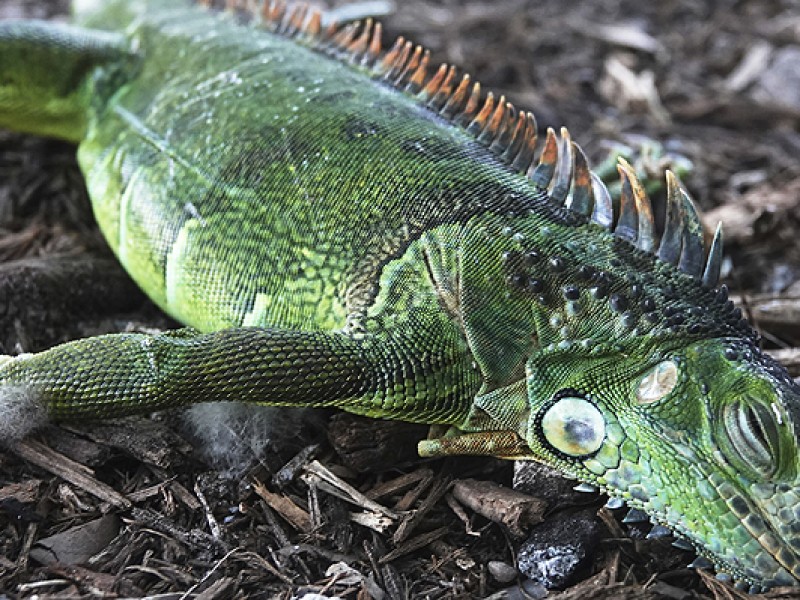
<point>75,473</point>
<point>298,518</point>
<point>499,504</point>
<point>316,473</point>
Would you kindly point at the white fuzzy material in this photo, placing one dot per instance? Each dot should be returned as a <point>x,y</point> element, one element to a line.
<point>21,411</point>
<point>232,437</point>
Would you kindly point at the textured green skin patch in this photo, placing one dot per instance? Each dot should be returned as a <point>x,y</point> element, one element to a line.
<point>333,242</point>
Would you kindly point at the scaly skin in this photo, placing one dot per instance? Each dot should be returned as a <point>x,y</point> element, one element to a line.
<point>334,242</point>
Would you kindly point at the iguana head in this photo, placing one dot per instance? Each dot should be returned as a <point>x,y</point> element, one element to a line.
<point>702,437</point>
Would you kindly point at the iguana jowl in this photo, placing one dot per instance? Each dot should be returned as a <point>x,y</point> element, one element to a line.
<point>345,226</point>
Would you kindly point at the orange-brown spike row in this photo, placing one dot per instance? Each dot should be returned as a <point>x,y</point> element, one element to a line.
<point>563,173</point>
<point>457,99</point>
<point>471,109</point>
<point>445,90</point>
<point>542,173</point>
<point>359,45</point>
<point>390,58</point>
<point>480,120</point>
<point>505,131</point>
<point>410,67</point>
<point>525,155</point>
<point>627,226</point>
<point>581,200</point>
<point>646,233</point>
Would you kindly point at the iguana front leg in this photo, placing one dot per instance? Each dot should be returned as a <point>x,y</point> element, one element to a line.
<point>120,374</point>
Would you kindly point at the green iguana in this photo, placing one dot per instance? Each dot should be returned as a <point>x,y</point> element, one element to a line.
<point>345,226</point>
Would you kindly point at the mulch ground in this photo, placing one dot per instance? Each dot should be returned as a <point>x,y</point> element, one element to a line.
<point>343,508</point>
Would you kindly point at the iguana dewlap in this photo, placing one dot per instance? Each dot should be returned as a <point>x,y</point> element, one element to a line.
<point>345,226</point>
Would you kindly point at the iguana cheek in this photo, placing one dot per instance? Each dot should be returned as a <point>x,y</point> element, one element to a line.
<point>574,426</point>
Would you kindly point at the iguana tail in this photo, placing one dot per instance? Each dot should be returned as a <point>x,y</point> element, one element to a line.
<point>49,76</point>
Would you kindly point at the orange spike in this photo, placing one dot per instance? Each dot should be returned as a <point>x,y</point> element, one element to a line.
<point>495,122</point>
<point>435,82</point>
<point>204,3</point>
<point>519,125</point>
<point>472,107</point>
<point>527,151</point>
<point>410,67</point>
<point>479,122</point>
<point>542,173</point>
<point>314,24</point>
<point>273,11</point>
<point>344,37</point>
<point>374,49</point>
<point>298,17</point>
<point>418,77</point>
<point>445,89</point>
<point>457,98</point>
<point>360,44</point>
<point>387,64</point>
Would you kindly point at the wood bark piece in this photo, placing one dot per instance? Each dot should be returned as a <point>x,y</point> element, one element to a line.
<point>77,544</point>
<point>517,511</point>
<point>75,473</point>
<point>298,518</point>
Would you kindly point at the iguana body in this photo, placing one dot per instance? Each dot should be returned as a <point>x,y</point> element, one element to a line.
<point>344,227</point>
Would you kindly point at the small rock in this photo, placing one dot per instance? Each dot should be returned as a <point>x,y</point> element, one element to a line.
<point>559,547</point>
<point>502,572</point>
<point>546,483</point>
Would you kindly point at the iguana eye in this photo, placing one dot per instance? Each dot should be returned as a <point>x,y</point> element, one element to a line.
<point>750,437</point>
<point>574,426</point>
<point>657,382</point>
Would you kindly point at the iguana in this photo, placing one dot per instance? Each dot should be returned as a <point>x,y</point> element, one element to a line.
<point>342,225</point>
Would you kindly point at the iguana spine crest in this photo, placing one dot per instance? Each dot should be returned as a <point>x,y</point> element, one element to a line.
<point>511,134</point>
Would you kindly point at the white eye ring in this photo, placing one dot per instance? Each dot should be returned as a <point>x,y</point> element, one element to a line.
<point>657,382</point>
<point>574,426</point>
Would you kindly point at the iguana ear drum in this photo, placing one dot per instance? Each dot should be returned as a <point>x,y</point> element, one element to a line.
<point>573,426</point>
<point>657,382</point>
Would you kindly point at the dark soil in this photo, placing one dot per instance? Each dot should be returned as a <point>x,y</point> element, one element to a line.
<point>131,509</point>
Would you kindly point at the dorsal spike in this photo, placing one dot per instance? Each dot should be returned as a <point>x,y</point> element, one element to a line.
<point>430,89</point>
<point>627,226</point>
<point>670,248</point>
<point>390,59</point>
<point>527,150</point>
<point>563,175</point>
<point>542,174</point>
<point>645,238</point>
<point>470,111</point>
<point>445,90</point>
<point>581,200</point>
<point>714,260</point>
<point>314,25</point>
<point>272,13</point>
<point>420,74</point>
<point>517,139</point>
<point>360,44</point>
<point>495,123</point>
<point>505,134</point>
<point>374,49</point>
<point>458,99</point>
<point>297,19</point>
<point>603,210</point>
<point>480,120</point>
<point>409,73</point>
<point>692,253</point>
